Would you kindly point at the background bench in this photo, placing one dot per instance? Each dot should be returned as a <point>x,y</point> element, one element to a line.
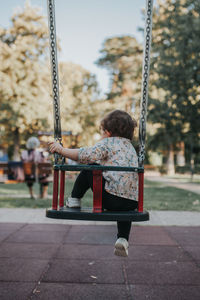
<point>14,172</point>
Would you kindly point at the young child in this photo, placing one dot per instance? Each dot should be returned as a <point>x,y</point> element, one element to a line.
<point>120,189</point>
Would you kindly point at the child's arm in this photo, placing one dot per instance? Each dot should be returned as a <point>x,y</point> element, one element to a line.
<point>69,153</point>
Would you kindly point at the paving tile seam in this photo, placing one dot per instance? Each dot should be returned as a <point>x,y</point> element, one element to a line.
<point>125,260</point>
<point>118,283</point>
<point>100,259</point>
<point>12,233</point>
<point>170,235</point>
<point>164,285</point>
<point>83,224</point>
<point>32,242</point>
<point>195,261</point>
<point>100,245</point>
<point>84,282</point>
<point>100,283</point>
<point>25,258</point>
<point>125,276</point>
<point>49,264</point>
<point>37,283</point>
<point>17,281</point>
<point>183,249</point>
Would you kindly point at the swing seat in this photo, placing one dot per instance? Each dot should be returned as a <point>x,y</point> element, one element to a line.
<point>59,170</point>
<point>88,214</point>
<point>96,213</point>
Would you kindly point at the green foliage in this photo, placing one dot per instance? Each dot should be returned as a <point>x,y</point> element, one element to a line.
<point>23,69</point>
<point>78,95</point>
<point>25,91</point>
<point>122,57</point>
<point>174,106</point>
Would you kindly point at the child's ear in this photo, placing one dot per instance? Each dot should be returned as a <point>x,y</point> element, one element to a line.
<point>108,133</point>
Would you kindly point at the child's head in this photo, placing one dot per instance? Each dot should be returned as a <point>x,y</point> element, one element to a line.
<point>119,123</point>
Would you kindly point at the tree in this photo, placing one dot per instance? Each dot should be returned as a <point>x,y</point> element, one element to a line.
<point>24,97</point>
<point>176,68</point>
<point>122,57</point>
<point>79,92</point>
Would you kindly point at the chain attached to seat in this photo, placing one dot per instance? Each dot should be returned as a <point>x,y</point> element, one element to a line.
<point>54,72</point>
<point>145,80</point>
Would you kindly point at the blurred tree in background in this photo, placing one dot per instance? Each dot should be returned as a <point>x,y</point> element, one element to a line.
<point>122,57</point>
<point>174,105</point>
<point>78,95</point>
<point>23,92</point>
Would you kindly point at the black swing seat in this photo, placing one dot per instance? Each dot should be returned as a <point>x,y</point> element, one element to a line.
<point>89,215</point>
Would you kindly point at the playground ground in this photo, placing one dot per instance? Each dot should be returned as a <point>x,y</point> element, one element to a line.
<point>48,259</point>
<point>75,261</point>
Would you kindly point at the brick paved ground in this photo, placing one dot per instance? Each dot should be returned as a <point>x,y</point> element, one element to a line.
<point>60,261</point>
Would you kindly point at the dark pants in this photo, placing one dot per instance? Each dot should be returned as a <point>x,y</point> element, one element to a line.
<point>84,181</point>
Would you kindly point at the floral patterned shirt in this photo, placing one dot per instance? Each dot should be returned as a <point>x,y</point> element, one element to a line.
<point>114,151</point>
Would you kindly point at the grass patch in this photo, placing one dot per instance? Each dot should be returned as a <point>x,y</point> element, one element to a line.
<point>156,195</point>
<point>17,195</point>
<point>170,198</point>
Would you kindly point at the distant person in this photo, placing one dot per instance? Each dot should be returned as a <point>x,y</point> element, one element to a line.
<point>34,156</point>
<point>120,189</point>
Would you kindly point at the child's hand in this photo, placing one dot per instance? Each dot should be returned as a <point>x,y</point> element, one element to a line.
<point>55,147</point>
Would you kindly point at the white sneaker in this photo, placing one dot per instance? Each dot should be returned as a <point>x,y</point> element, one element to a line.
<point>121,247</point>
<point>73,202</point>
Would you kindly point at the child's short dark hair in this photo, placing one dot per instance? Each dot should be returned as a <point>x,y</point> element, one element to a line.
<point>119,123</point>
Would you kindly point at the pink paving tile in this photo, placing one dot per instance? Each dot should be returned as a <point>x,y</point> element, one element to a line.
<point>37,237</point>
<point>46,227</point>
<point>157,253</point>
<point>185,235</point>
<point>90,237</point>
<point>66,291</point>
<point>93,252</point>
<point>21,269</point>
<point>4,234</point>
<point>11,226</point>
<point>16,290</point>
<point>141,235</point>
<point>169,272</point>
<point>193,252</point>
<point>84,271</point>
<point>22,250</point>
<point>167,292</point>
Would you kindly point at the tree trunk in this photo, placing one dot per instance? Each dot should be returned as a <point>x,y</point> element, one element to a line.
<point>181,155</point>
<point>16,140</point>
<point>191,161</point>
<point>170,161</point>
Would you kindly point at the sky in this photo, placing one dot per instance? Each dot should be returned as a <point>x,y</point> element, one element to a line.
<point>83,25</point>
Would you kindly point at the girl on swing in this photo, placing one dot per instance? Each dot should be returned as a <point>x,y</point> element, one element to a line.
<point>120,189</point>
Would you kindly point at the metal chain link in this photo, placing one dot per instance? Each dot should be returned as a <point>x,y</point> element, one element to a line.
<point>145,79</point>
<point>54,66</point>
<point>54,73</point>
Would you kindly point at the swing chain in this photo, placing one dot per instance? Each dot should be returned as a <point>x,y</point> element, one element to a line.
<point>54,74</point>
<point>54,69</point>
<point>145,78</point>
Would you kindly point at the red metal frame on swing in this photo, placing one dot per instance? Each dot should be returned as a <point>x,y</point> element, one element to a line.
<point>97,190</point>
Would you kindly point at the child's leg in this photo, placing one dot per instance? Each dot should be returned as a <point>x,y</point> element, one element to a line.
<point>115,203</point>
<point>83,182</point>
<point>124,229</point>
